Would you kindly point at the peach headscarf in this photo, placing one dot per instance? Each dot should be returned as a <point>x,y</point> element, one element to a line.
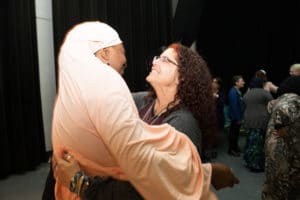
<point>95,119</point>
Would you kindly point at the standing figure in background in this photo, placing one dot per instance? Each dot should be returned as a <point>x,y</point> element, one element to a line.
<point>295,69</point>
<point>219,98</point>
<point>267,85</point>
<point>235,101</point>
<point>256,119</point>
<point>282,146</point>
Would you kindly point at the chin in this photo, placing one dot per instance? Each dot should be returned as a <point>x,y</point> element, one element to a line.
<point>148,78</point>
<point>151,80</point>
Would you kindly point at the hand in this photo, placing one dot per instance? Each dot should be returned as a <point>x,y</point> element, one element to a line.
<point>64,168</point>
<point>281,132</point>
<point>222,176</point>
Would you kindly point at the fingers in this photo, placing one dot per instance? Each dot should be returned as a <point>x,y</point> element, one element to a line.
<point>275,132</point>
<point>68,157</point>
<point>236,180</point>
<point>56,161</point>
<point>53,163</point>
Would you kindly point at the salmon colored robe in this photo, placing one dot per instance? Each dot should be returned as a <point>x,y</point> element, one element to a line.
<point>96,120</point>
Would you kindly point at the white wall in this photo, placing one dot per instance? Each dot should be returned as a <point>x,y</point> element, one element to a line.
<point>46,64</point>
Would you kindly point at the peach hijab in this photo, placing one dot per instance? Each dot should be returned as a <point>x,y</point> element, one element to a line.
<point>96,120</point>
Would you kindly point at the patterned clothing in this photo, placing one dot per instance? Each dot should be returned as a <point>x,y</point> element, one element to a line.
<point>282,165</point>
<point>254,155</point>
<point>256,119</point>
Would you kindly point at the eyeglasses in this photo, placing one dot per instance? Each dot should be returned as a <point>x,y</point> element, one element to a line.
<point>164,59</point>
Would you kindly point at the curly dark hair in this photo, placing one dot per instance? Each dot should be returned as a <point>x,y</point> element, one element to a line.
<point>194,90</point>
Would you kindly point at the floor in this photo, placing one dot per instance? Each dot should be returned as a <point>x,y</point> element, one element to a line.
<point>29,186</point>
<point>250,183</point>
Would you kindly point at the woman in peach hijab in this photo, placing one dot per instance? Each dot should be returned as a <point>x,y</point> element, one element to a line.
<point>96,121</point>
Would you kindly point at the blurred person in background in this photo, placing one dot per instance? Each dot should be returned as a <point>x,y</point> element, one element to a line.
<point>256,118</point>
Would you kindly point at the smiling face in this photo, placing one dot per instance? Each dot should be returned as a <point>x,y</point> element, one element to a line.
<point>164,71</point>
<point>240,83</point>
<point>118,58</point>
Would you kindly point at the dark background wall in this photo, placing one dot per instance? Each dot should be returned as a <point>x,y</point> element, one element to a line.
<point>22,144</point>
<point>234,37</point>
<point>143,26</point>
<point>240,37</point>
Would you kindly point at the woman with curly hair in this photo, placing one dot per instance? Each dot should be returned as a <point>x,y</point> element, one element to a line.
<point>180,96</point>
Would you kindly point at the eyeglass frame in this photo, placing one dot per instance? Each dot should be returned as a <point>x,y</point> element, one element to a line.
<point>164,59</point>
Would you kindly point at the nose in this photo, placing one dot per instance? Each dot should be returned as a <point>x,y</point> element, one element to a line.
<point>154,60</point>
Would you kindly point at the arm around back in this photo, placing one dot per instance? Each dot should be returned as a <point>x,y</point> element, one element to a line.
<point>159,161</point>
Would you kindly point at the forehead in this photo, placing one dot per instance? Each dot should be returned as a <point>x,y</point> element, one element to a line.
<point>119,47</point>
<point>170,53</point>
